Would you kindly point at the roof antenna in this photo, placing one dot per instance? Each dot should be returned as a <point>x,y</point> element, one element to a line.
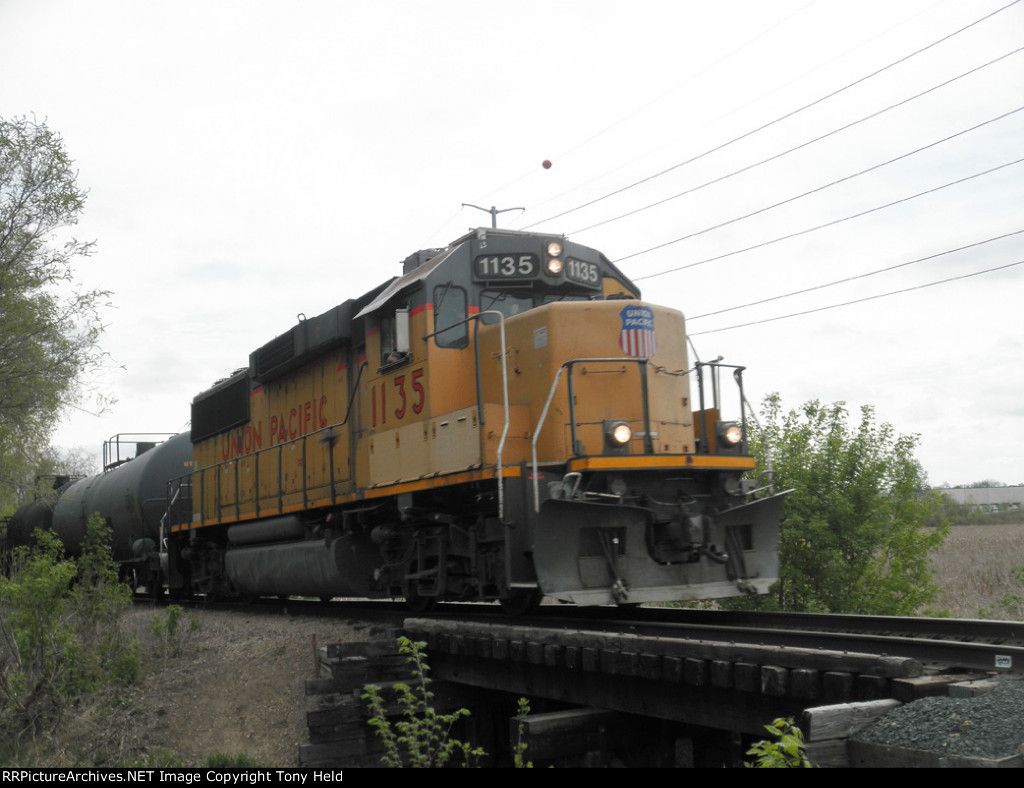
<point>493,212</point>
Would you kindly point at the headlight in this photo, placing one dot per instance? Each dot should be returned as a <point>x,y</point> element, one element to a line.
<point>554,249</point>
<point>729,435</point>
<point>554,266</point>
<point>617,435</point>
<point>621,434</point>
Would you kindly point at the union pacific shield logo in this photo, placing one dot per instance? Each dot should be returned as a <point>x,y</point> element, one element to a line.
<point>637,337</point>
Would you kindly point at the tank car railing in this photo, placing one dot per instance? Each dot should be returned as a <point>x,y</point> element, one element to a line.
<point>641,363</point>
<point>141,441</point>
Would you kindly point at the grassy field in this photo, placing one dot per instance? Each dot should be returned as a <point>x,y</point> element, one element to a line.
<point>975,567</point>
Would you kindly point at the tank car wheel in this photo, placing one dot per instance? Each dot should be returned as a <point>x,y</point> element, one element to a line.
<point>522,601</point>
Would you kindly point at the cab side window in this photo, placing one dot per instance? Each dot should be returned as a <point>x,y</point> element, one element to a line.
<point>394,337</point>
<point>450,307</point>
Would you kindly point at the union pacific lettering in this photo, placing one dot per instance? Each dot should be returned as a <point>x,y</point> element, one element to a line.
<point>304,418</point>
<point>311,415</point>
<point>242,441</point>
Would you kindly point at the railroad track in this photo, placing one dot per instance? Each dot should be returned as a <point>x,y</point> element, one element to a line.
<point>690,670</point>
<point>938,644</point>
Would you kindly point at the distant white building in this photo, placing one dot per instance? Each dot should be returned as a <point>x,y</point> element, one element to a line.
<point>1002,498</point>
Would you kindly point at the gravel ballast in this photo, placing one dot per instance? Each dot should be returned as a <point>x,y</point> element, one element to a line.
<point>986,726</point>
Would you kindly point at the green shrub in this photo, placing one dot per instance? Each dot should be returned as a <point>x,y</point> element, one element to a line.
<point>421,738</point>
<point>785,753</point>
<point>60,632</point>
<point>519,748</point>
<point>168,633</point>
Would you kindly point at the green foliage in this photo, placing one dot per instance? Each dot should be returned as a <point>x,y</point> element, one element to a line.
<point>49,329</point>
<point>786,752</point>
<point>853,536</point>
<point>421,738</point>
<point>60,632</point>
<point>97,601</point>
<point>519,748</point>
<point>168,633</point>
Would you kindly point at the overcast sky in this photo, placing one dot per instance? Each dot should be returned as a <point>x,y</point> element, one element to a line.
<point>247,161</point>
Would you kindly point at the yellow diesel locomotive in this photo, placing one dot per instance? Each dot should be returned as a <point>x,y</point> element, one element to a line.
<point>505,421</point>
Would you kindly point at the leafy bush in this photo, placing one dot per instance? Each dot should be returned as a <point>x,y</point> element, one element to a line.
<point>785,753</point>
<point>60,632</point>
<point>421,738</point>
<point>853,536</point>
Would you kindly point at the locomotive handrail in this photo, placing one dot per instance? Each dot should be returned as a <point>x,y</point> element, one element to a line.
<point>737,373</point>
<point>765,448</point>
<point>479,396</point>
<point>329,437</point>
<point>351,399</point>
<point>640,362</point>
<point>163,520</point>
<point>326,434</point>
<point>255,456</point>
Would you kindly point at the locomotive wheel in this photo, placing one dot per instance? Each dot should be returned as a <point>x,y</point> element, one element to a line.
<point>522,601</point>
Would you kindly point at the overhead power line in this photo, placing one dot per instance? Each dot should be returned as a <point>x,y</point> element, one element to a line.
<point>831,223</point>
<point>622,119</point>
<point>778,119</point>
<point>858,300</point>
<point>796,147</point>
<point>858,276</point>
<point>822,187</point>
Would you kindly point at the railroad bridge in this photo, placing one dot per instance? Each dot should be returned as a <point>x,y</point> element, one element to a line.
<point>603,696</point>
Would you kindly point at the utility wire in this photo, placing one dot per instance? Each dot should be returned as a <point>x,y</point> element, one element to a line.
<point>735,109</point>
<point>795,148</point>
<point>662,96</point>
<point>776,120</point>
<point>859,300</point>
<point>858,276</point>
<point>829,224</point>
<point>822,187</point>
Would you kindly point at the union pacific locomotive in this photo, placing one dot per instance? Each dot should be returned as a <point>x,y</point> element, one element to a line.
<point>507,420</point>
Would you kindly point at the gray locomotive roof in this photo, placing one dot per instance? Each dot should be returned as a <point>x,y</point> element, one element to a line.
<point>401,283</point>
<point>397,285</point>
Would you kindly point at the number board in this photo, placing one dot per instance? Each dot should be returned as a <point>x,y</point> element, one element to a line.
<point>505,266</point>
<point>582,273</point>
